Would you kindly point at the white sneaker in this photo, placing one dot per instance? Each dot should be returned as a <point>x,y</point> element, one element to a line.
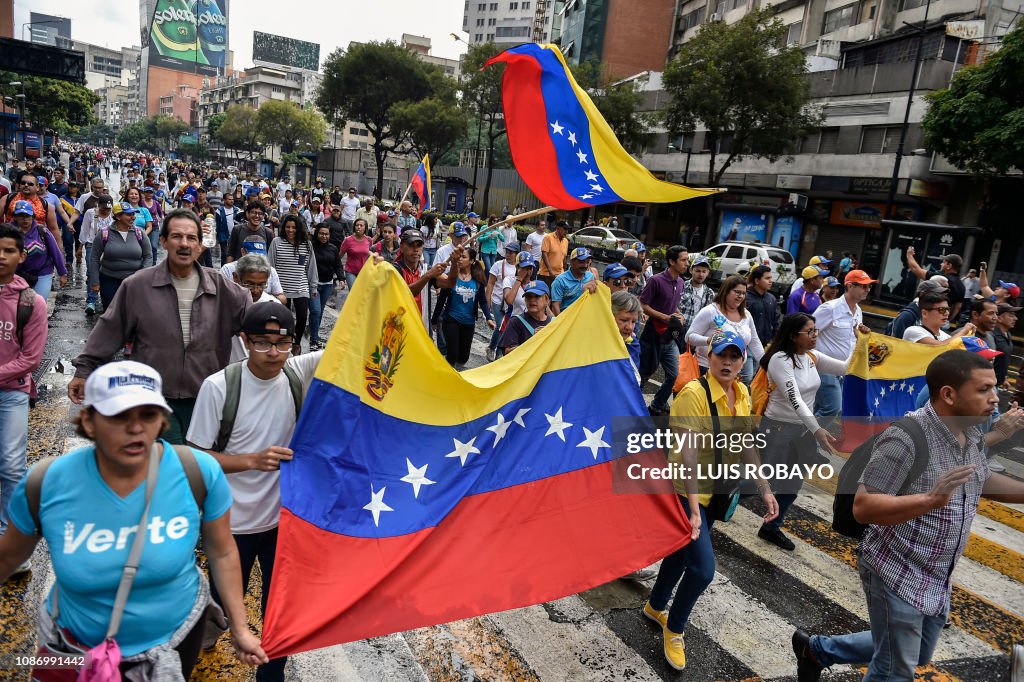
<point>995,465</point>
<point>649,573</point>
<point>490,355</point>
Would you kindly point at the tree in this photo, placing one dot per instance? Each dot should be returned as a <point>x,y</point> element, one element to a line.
<point>214,123</point>
<point>99,134</point>
<point>368,83</point>
<point>288,125</point>
<point>618,104</point>
<point>53,104</point>
<point>435,124</point>
<point>482,94</point>
<point>239,131</point>
<point>167,129</point>
<point>978,122</point>
<point>196,151</point>
<point>137,136</point>
<point>750,94</point>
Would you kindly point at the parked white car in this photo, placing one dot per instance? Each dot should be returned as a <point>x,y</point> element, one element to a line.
<point>603,240</point>
<point>739,258</point>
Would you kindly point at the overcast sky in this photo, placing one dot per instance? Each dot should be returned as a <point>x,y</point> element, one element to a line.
<point>115,23</point>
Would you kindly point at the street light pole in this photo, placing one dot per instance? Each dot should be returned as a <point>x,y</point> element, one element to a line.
<point>906,116</point>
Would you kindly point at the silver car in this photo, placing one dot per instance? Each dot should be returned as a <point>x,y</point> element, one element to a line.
<point>739,258</point>
<point>603,239</point>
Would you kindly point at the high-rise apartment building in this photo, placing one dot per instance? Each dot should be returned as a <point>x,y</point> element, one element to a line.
<point>47,29</point>
<point>624,36</point>
<point>511,22</point>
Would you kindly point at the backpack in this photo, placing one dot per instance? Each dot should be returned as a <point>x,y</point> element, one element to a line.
<point>105,234</point>
<point>34,483</point>
<point>761,388</point>
<point>233,385</point>
<point>891,323</point>
<point>26,303</point>
<point>529,327</point>
<point>843,521</point>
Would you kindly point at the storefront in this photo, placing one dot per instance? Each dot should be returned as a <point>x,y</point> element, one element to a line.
<point>931,243</point>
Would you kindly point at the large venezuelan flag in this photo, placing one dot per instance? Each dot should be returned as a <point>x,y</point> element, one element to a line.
<point>419,495</point>
<point>883,381</point>
<point>421,183</point>
<point>561,145</point>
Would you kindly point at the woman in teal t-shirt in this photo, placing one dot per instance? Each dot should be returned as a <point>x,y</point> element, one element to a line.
<point>488,238</point>
<point>457,306</point>
<point>91,501</point>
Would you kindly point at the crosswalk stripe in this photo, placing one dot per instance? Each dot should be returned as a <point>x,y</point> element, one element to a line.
<point>387,657</point>
<point>988,622</point>
<point>1002,513</point>
<point>468,649</point>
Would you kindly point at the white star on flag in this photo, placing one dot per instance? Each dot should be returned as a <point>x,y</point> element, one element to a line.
<point>499,429</point>
<point>556,129</point>
<point>518,419</point>
<point>581,156</point>
<point>910,388</point>
<point>463,450</point>
<point>557,424</point>
<point>587,196</point>
<point>416,477</point>
<point>883,391</point>
<point>376,505</point>
<point>572,138</point>
<point>876,402</point>
<point>593,440</point>
<point>903,385</point>
<point>597,188</point>
<point>591,176</point>
<point>892,387</point>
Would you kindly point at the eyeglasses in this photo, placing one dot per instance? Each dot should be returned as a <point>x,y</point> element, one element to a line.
<point>738,293</point>
<point>254,287</point>
<point>624,281</point>
<point>265,346</point>
<point>811,333</point>
<point>942,310</point>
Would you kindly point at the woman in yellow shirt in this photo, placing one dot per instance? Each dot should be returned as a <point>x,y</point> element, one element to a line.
<point>693,566</point>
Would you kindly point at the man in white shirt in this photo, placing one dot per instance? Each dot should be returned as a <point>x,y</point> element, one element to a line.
<point>838,322</point>
<point>284,203</point>
<point>349,206</point>
<point>283,188</point>
<point>256,245</point>
<point>535,239</point>
<point>271,383</point>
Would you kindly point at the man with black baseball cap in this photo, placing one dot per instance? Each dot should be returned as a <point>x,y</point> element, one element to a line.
<point>413,269</point>
<point>249,446</point>
<point>949,267</point>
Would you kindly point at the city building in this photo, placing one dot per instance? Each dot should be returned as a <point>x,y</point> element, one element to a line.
<point>511,22</point>
<point>112,107</point>
<point>420,46</point>
<point>624,36</point>
<point>47,29</point>
<point>251,88</point>
<point>181,104</point>
<point>833,191</point>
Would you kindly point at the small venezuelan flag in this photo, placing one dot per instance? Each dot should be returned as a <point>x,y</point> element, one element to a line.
<point>883,381</point>
<point>561,145</point>
<point>420,495</point>
<point>421,183</point>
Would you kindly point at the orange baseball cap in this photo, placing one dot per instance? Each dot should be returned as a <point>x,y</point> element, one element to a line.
<point>858,277</point>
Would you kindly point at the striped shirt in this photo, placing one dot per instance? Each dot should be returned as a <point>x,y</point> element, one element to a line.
<point>915,559</point>
<point>296,267</point>
<point>186,288</point>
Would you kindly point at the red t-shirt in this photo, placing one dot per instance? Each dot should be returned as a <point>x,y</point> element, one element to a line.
<point>357,250</point>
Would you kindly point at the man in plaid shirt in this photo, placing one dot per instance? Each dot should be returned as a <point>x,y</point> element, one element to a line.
<point>914,540</point>
<point>696,294</point>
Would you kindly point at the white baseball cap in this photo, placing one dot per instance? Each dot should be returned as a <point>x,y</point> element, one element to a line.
<point>119,386</point>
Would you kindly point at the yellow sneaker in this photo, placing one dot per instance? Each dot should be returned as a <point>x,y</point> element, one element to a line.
<point>659,617</point>
<point>675,650</point>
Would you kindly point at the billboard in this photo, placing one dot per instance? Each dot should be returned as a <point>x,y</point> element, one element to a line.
<point>267,47</point>
<point>189,35</point>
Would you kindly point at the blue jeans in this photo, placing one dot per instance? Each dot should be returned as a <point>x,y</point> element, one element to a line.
<point>901,637</point>
<point>695,564</point>
<point>350,279</point>
<point>828,402</point>
<point>316,310</point>
<point>13,441</point>
<point>108,287</point>
<point>748,371</point>
<point>488,259</point>
<point>428,256</point>
<point>154,241</point>
<point>68,239</point>
<point>262,546</point>
<point>668,357</point>
<point>90,295</point>
<point>43,286</point>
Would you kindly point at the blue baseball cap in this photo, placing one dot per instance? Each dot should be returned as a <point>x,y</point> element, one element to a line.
<point>721,340</point>
<point>23,208</point>
<point>537,288</point>
<point>459,229</point>
<point>124,207</point>
<point>615,270</point>
<point>255,246</point>
<point>638,247</point>
<point>190,198</point>
<point>513,246</point>
<point>580,253</point>
<point>831,282</point>
<point>700,260</point>
<point>525,259</point>
<point>472,215</point>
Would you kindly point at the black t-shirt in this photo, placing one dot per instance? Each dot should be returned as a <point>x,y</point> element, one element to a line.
<point>957,290</point>
<point>1001,364</point>
<point>516,333</point>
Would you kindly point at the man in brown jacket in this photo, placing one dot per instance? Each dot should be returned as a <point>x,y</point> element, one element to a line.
<point>180,317</point>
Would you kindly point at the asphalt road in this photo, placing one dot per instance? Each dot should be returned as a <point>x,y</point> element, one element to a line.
<point>740,628</point>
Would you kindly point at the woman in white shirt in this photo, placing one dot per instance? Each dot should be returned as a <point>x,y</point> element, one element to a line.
<point>728,312</point>
<point>792,434</point>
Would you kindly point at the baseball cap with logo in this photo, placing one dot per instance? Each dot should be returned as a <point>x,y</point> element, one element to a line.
<point>23,208</point>
<point>976,345</point>
<point>412,235</point>
<point>537,288</point>
<point>579,253</point>
<point>721,340</point>
<point>255,244</point>
<point>459,230</point>
<point>820,260</point>
<point>525,259</point>
<point>810,272</point>
<point>639,247</point>
<point>259,315</point>
<point>119,386</point>
<point>700,260</point>
<point>831,282</point>
<point>124,207</point>
<point>615,271</point>
<point>858,277</point>
<point>1012,288</point>
<point>513,246</point>
<point>472,215</point>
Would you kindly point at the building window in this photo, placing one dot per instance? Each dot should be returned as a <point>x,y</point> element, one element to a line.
<point>793,34</point>
<point>276,89</point>
<point>838,18</point>
<point>526,5</point>
<point>828,142</point>
<point>494,7</point>
<point>492,22</point>
<point>513,32</point>
<point>482,7</point>
<point>879,139</point>
<point>691,19</point>
<point>490,37</point>
<point>911,4</point>
<point>478,37</point>
<point>479,22</point>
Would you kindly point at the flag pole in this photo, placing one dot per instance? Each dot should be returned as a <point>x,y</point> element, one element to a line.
<point>519,218</point>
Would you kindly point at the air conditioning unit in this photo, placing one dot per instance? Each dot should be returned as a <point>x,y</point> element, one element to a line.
<point>798,201</point>
<point>715,16</point>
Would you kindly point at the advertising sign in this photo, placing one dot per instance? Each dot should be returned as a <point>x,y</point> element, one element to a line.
<point>786,233</point>
<point>267,47</point>
<point>743,226</point>
<point>864,214</point>
<point>189,35</point>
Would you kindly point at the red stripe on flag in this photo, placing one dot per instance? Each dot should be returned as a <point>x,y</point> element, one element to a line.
<point>522,545</point>
<point>533,152</point>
